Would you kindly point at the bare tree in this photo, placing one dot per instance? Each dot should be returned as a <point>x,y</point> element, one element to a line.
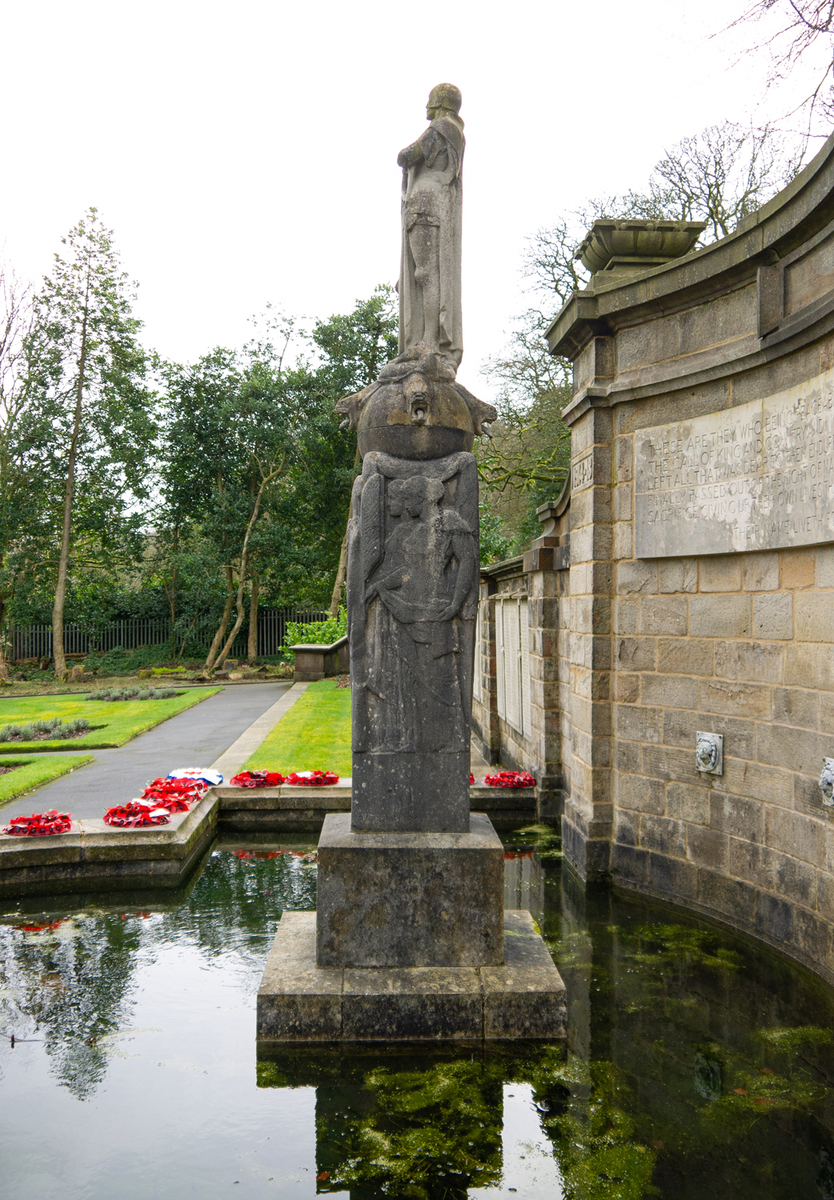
<point>720,175</point>
<point>801,27</point>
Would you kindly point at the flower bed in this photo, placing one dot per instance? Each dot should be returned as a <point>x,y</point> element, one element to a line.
<point>133,693</point>
<point>45,731</point>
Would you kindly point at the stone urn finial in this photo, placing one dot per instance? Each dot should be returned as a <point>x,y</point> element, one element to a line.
<point>624,247</point>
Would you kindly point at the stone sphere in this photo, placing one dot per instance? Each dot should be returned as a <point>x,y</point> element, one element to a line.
<point>405,422</point>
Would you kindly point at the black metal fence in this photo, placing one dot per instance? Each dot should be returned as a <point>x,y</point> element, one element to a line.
<point>35,641</point>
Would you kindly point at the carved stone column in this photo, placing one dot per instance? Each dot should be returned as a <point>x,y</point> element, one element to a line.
<point>412,599</point>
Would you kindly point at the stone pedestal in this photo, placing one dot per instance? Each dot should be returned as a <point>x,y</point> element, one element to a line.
<point>299,1001</point>
<point>410,899</point>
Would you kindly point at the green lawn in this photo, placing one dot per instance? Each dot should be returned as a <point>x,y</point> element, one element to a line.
<point>116,722</point>
<point>32,773</point>
<point>313,736</point>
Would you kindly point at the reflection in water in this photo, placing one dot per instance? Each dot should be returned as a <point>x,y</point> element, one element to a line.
<point>698,1064</point>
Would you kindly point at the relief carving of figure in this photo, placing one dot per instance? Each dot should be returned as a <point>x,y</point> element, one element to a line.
<point>432,201</point>
<point>413,670</point>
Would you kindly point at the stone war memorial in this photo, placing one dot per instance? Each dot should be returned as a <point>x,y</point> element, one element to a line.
<point>662,657</point>
<point>410,940</point>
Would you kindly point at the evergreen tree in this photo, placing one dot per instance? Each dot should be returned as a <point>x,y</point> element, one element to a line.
<point>86,377</point>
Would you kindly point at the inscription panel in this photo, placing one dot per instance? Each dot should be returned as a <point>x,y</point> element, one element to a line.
<point>582,472</point>
<point>756,477</point>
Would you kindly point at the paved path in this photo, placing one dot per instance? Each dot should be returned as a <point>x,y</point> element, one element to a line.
<point>197,737</point>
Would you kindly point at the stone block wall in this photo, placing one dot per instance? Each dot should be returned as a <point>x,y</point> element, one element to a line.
<point>741,645</point>
<point>681,618</point>
<point>538,579</point>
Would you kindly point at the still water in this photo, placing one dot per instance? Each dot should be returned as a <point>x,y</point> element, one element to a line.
<point>697,1064</point>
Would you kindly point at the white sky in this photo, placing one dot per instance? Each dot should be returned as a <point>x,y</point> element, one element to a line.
<point>245,153</point>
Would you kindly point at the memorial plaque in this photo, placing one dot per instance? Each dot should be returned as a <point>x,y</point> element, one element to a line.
<point>756,477</point>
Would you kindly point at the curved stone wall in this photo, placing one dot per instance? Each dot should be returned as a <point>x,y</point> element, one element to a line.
<point>702,573</point>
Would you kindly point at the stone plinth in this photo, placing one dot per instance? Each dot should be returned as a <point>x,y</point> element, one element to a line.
<point>410,899</point>
<point>299,1001</point>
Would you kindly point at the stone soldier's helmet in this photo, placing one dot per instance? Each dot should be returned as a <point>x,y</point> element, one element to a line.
<point>445,95</point>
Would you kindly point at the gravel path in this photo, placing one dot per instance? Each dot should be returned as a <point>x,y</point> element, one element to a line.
<point>194,738</point>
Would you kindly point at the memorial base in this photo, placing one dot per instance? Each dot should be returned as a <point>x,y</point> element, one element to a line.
<point>299,1001</point>
<point>410,899</point>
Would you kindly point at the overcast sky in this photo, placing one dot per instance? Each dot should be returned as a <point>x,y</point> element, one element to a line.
<point>246,153</point>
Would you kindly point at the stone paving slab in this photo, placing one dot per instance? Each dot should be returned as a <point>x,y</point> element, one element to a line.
<point>301,1002</point>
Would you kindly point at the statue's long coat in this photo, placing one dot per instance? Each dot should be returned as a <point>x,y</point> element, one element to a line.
<point>433,194</point>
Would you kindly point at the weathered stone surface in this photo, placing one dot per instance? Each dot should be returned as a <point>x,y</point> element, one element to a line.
<point>296,998</point>
<point>300,1002</point>
<point>412,1004</point>
<point>432,205</point>
<point>412,599</point>
<point>399,899</point>
<point>524,998</point>
<point>756,477</point>
<point>95,856</point>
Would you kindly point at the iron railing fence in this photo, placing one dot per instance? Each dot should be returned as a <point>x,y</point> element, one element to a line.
<point>35,641</point>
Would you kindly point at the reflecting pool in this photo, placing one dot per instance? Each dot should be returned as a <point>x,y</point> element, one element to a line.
<point>698,1064</point>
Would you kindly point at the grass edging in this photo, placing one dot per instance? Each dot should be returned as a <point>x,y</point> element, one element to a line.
<point>33,773</point>
<point>315,735</point>
<point>94,741</point>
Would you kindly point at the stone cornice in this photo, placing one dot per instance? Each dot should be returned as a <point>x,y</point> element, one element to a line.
<point>793,216</point>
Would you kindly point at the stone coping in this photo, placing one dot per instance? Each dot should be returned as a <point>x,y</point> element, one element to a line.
<point>90,840</point>
<point>801,208</point>
<point>95,857</point>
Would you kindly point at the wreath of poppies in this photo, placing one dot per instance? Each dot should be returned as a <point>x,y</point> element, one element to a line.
<point>312,778</point>
<point>257,779</point>
<point>40,824</point>
<point>510,779</point>
<point>205,776</point>
<point>174,794</point>
<point>135,815</point>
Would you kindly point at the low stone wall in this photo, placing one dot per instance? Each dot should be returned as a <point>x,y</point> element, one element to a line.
<point>702,573</point>
<point>314,662</point>
<point>97,857</point>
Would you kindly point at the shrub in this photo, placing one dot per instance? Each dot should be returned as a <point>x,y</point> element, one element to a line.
<point>323,633</point>
<point>127,662</point>
<point>133,693</point>
<point>39,731</point>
